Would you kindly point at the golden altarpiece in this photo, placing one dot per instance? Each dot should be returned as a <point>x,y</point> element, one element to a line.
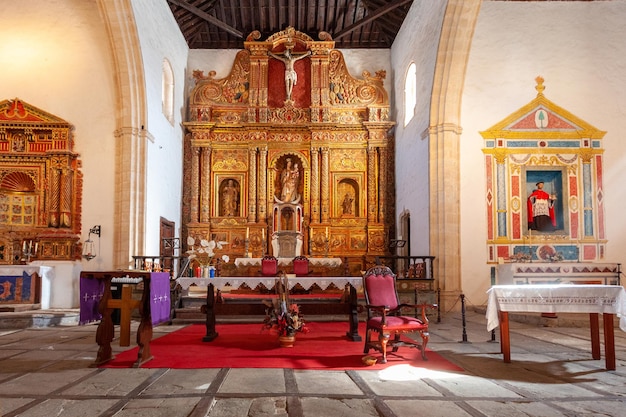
<point>40,186</point>
<point>289,154</point>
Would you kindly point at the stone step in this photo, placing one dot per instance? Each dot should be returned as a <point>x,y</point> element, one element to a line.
<point>39,318</point>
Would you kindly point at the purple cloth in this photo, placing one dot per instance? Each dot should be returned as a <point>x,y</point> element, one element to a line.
<point>160,303</point>
<point>91,291</point>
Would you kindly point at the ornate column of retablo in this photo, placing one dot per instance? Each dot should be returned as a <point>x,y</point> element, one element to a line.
<point>315,186</point>
<point>195,185</point>
<point>262,194</point>
<point>205,192</point>
<point>382,181</point>
<point>372,204</point>
<point>252,185</point>
<point>325,185</point>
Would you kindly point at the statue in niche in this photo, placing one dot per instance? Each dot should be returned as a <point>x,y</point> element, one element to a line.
<point>289,179</point>
<point>289,59</point>
<point>346,204</point>
<point>230,199</point>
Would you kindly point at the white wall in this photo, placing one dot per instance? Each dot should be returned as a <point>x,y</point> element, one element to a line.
<point>58,58</point>
<point>160,38</point>
<point>578,48</point>
<point>416,42</point>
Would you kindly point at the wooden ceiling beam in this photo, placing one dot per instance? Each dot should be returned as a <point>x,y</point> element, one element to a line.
<point>210,19</point>
<point>371,17</point>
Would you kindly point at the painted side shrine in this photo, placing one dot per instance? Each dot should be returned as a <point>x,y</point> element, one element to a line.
<point>289,154</point>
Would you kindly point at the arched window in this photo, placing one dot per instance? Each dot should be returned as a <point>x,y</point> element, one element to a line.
<point>410,93</point>
<point>167,93</point>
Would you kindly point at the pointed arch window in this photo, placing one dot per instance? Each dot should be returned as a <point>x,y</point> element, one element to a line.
<point>167,93</point>
<point>410,93</point>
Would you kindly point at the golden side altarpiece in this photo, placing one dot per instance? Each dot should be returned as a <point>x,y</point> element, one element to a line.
<point>40,186</point>
<point>289,154</point>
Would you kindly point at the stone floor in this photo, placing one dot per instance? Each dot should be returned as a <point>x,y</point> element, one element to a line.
<point>45,372</point>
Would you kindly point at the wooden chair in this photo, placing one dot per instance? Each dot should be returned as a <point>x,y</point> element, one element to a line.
<point>269,266</point>
<point>384,314</point>
<point>301,266</point>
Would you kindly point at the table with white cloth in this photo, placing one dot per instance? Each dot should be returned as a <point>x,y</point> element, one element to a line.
<point>353,284</point>
<point>607,300</point>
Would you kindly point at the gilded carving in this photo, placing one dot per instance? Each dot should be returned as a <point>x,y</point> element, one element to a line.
<point>230,160</point>
<point>349,160</point>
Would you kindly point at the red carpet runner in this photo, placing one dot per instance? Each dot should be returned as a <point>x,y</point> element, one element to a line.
<point>247,346</point>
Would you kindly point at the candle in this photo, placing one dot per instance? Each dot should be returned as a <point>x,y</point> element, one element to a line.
<point>326,231</point>
<point>30,246</point>
<point>24,246</point>
<point>247,232</point>
<point>36,246</point>
<point>263,232</point>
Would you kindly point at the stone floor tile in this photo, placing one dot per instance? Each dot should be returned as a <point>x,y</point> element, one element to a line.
<point>181,382</point>
<point>326,382</point>
<point>515,409</point>
<point>110,382</point>
<point>326,407</point>
<point>428,408</point>
<point>68,408</point>
<point>254,380</point>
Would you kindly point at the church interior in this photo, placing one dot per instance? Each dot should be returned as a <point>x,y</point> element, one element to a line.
<point>464,144</point>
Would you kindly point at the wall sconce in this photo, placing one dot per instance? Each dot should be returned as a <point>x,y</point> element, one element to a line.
<point>89,247</point>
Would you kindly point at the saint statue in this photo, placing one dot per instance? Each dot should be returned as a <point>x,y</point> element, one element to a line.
<point>541,210</point>
<point>289,179</point>
<point>230,199</point>
<point>347,203</point>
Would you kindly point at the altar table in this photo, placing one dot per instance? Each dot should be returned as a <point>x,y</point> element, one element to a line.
<point>354,283</point>
<point>97,303</point>
<point>592,299</point>
<point>327,262</point>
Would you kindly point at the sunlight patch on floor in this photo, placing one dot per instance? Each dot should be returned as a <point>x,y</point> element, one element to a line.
<point>411,373</point>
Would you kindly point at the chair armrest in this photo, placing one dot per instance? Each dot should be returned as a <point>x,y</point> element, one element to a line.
<point>421,307</point>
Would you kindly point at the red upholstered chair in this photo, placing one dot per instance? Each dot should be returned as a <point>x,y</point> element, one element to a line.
<point>301,266</point>
<point>269,266</point>
<point>384,314</point>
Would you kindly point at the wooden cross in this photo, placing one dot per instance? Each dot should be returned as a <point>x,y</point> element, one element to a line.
<point>126,304</point>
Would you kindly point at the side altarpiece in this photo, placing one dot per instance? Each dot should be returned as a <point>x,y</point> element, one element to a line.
<point>289,154</point>
<point>40,186</point>
<point>542,149</point>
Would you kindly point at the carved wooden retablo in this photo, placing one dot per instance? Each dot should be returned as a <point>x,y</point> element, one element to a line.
<point>290,142</point>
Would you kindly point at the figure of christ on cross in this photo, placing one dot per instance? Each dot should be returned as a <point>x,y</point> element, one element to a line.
<point>289,59</point>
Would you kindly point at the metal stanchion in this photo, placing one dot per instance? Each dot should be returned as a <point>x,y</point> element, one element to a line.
<point>438,305</point>
<point>463,318</point>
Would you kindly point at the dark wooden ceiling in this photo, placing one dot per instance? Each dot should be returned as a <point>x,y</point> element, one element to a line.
<point>225,24</point>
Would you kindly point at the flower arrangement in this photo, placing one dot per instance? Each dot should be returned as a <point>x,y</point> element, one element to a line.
<point>204,250</point>
<point>281,315</point>
<point>284,318</point>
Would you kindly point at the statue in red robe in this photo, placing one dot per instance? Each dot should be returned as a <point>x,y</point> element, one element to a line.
<point>541,210</point>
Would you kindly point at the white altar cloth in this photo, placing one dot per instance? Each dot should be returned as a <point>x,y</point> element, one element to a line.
<point>544,298</point>
<point>329,262</point>
<point>306,282</point>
